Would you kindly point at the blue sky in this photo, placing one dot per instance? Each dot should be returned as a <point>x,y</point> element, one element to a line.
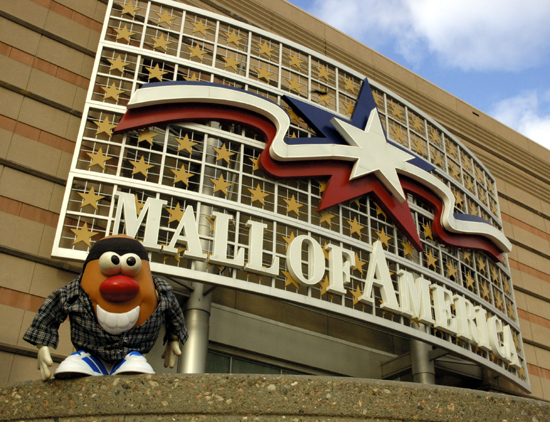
<point>493,54</point>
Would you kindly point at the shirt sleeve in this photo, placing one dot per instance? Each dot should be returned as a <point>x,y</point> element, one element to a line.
<point>45,326</point>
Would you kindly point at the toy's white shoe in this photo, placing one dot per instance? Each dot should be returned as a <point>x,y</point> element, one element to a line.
<point>80,364</point>
<point>133,362</point>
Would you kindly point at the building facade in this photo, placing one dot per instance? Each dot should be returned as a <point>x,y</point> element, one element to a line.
<point>242,233</point>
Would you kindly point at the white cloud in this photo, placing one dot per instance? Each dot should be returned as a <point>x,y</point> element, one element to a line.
<point>468,34</point>
<point>528,113</point>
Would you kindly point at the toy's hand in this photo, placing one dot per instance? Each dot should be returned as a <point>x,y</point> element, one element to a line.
<point>171,350</point>
<point>44,362</point>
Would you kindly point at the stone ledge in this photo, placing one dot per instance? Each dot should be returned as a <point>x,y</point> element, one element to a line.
<point>257,398</point>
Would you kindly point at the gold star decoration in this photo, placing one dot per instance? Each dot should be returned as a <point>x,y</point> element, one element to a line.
<point>432,260</point>
<point>384,238</point>
<point>292,115</point>
<point>498,301</point>
<point>265,49</point>
<point>396,111</point>
<point>220,185</point>
<point>176,214</point>
<point>104,127</point>
<point>324,285</point>
<point>358,264</point>
<point>289,239</point>
<point>482,196</point>
<point>323,73</point>
<point>212,222</point>
<point>435,136</point>
<point>451,270</point>
<point>112,92</point>
<point>292,205</point>
<point>486,292</point>
<point>263,73</point>
<point>124,33</point>
<point>356,295</point>
<point>177,255</point>
<point>295,60</point>
<point>438,161</point>
<point>427,231</point>
<point>294,85</point>
<point>356,227</point>
<point>98,158</point>
<point>146,136</point>
<point>181,175</point>
<point>466,163</point>
<point>90,198</point>
<point>192,78</point>
<point>165,17</point>
<point>379,211</point>
<point>185,144</point>
<point>83,235</point>
<point>199,27</point>
<point>322,185</point>
<point>408,249</point>
<point>467,256</point>
<point>325,251</point>
<point>324,98</point>
<point>258,194</point>
<point>349,108</point>
<point>417,125</point>
<point>255,162</point>
<point>117,64</point>
<point>141,167</point>
<point>349,85</point>
<point>155,72</point>
<point>452,149</point>
<point>231,62</point>
<point>139,205</point>
<point>233,38</point>
<point>506,285</point>
<point>129,9</point>
<point>481,265</point>
<point>160,42</point>
<point>469,184</point>
<point>356,202</point>
<point>494,274</point>
<point>458,199</point>
<point>289,280</point>
<point>399,136</point>
<point>196,52</point>
<point>420,148</point>
<point>469,281</point>
<point>223,153</point>
<point>326,217</point>
<point>510,310</point>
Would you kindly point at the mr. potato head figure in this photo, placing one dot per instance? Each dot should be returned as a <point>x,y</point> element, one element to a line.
<point>116,308</point>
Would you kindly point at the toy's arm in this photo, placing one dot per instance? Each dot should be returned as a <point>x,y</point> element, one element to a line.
<point>171,350</point>
<point>44,362</point>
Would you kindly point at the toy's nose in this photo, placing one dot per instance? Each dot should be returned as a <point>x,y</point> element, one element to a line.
<point>119,288</point>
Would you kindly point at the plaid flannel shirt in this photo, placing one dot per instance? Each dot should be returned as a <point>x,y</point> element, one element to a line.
<point>86,333</point>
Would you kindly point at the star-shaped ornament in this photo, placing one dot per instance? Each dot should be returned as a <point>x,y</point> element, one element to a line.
<point>427,231</point>
<point>292,114</point>
<point>417,125</point>
<point>160,42</point>
<point>358,264</point>
<point>292,205</point>
<point>289,280</point>
<point>407,249</point>
<point>451,270</point>
<point>322,185</point>
<point>263,73</point>
<point>117,64</point>
<point>146,136</point>
<point>349,108</point>
<point>155,72</point>
<point>324,285</point>
<point>486,292</point>
<point>323,73</point>
<point>438,161</point>
<point>481,265</point>
<point>510,310</point>
<point>355,227</point>
<point>506,285</point>
<point>182,175</point>
<point>90,198</point>
<point>104,127</point>
<point>185,144</point>
<point>349,85</point>
<point>295,60</point>
<point>196,52</point>
<point>192,78</point>
<point>498,301</point>
<point>231,62</point>
<point>124,33</point>
<point>223,154</point>
<point>233,38</point>
<point>294,85</point>
<point>379,211</point>
<point>467,256</point>
<point>199,27</point>
<point>255,162</point>
<point>432,260</point>
<point>289,239</point>
<point>176,214</point>
<point>129,9</point>
<point>326,217</point>
<point>165,17</point>
<point>383,237</point>
<point>139,205</point>
<point>98,158</point>
<point>258,194</point>
<point>396,111</point>
<point>141,167</point>
<point>356,295</point>
<point>265,49</point>
<point>220,185</point>
<point>469,281</point>
<point>83,235</point>
<point>112,92</point>
<point>212,222</point>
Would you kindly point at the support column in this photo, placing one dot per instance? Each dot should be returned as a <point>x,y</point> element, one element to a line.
<point>422,366</point>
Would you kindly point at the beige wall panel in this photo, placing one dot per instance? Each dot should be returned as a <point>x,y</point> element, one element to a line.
<point>52,88</point>
<point>20,274</point>
<point>11,103</point>
<point>24,369</point>
<point>310,24</point>
<point>545,288</point>
<point>64,165</point>
<point>520,300</point>
<point>528,217</point>
<point>72,128</point>
<point>539,151</point>
<point>530,354</point>
<point>531,282</point>
<point>525,327</point>
<point>87,66</point>
<point>434,93</point>
<point>47,279</point>
<point>540,334</point>
<point>529,239</point>
<point>545,384</point>
<point>33,154</point>
<point>360,335</point>
<point>61,55</point>
<point>543,358</point>
<point>26,188</point>
<point>15,73</point>
<point>93,40</point>
<point>517,277</point>
<point>11,321</point>
<point>100,11</point>
<point>6,362</point>
<point>18,36</point>
<point>79,98</point>
<point>84,7</point>
<point>26,10</point>
<point>56,198</point>
<point>536,386</point>
<point>5,139</point>
<point>44,117</point>
<point>537,307</point>
<point>68,29</point>
<point>46,242</point>
<point>20,234</point>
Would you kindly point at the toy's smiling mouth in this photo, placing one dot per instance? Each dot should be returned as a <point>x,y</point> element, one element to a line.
<point>117,323</point>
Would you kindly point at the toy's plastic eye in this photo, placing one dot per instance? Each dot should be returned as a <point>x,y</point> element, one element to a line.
<point>130,264</point>
<point>109,263</point>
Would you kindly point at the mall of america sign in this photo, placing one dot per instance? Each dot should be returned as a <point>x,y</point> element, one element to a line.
<point>241,159</point>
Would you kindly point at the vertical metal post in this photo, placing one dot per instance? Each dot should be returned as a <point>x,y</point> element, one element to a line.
<point>423,369</point>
